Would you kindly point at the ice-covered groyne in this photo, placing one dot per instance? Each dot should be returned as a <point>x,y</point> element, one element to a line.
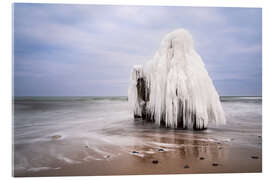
<point>174,89</point>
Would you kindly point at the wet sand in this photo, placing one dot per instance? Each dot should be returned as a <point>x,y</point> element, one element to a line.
<point>97,136</point>
<point>188,156</point>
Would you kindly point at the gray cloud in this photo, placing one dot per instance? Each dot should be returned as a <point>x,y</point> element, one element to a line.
<point>90,49</point>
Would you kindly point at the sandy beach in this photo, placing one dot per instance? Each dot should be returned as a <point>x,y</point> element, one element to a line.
<point>189,157</point>
<point>97,136</point>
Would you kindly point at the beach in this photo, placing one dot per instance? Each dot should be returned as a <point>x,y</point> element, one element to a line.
<point>78,136</point>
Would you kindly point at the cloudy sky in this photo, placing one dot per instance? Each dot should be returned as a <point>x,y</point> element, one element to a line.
<point>89,50</point>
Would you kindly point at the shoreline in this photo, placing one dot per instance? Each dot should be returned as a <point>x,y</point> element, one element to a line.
<point>190,158</point>
<point>97,137</point>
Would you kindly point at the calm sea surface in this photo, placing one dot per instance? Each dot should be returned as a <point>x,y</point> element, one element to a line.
<point>46,129</point>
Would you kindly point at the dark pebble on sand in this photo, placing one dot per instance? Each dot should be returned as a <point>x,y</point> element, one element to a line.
<point>218,143</point>
<point>108,156</point>
<point>161,150</point>
<point>186,166</point>
<point>254,157</point>
<point>201,158</point>
<point>155,161</point>
<point>215,164</point>
<point>220,148</point>
<point>135,152</point>
<point>56,137</point>
<point>86,146</point>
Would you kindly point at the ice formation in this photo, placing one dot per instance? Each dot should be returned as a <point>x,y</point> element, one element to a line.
<point>174,89</point>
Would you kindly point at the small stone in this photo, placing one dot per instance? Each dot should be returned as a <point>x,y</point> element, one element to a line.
<point>215,164</point>
<point>218,143</point>
<point>220,148</point>
<point>254,157</point>
<point>161,150</point>
<point>201,158</point>
<point>86,146</point>
<point>155,161</point>
<point>108,156</point>
<point>56,137</point>
<point>135,152</point>
<point>186,166</point>
<point>259,136</point>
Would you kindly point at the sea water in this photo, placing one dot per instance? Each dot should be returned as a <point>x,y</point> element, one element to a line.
<point>73,130</point>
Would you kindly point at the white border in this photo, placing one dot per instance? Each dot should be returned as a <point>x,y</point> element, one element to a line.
<point>209,3</point>
<point>6,77</point>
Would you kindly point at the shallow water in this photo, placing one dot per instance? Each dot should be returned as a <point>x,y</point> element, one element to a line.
<point>73,130</point>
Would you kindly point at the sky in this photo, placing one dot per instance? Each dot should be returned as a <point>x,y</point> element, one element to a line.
<point>89,50</point>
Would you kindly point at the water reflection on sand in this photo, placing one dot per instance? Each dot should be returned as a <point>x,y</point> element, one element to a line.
<point>53,133</point>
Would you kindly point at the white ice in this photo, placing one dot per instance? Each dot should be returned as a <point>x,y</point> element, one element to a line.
<point>179,85</point>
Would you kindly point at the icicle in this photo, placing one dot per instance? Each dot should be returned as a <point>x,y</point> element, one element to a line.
<point>174,88</point>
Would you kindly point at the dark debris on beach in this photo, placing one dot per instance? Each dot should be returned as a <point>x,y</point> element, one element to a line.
<point>55,137</point>
<point>155,161</point>
<point>254,157</point>
<point>215,164</point>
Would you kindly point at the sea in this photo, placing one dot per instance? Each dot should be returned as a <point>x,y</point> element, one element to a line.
<point>74,130</point>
